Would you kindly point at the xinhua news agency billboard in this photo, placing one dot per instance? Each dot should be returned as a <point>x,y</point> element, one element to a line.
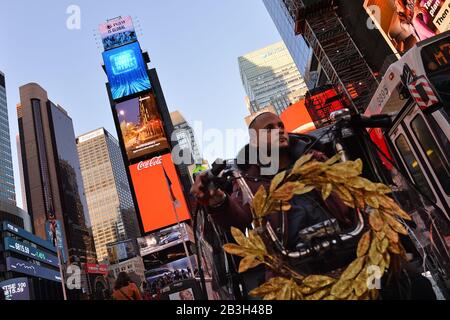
<point>153,195</point>
<point>117,32</point>
<point>403,23</point>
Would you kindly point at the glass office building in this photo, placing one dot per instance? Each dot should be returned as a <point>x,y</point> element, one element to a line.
<point>7,191</point>
<point>299,50</point>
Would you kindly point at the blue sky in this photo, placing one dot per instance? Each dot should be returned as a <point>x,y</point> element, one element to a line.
<point>194,46</point>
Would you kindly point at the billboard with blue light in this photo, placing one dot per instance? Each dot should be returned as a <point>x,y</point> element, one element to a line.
<point>126,71</point>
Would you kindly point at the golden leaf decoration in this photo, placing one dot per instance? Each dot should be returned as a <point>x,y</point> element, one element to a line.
<point>259,202</point>
<point>277,180</point>
<point>379,246</point>
<point>363,244</point>
<point>318,281</point>
<point>353,269</point>
<point>249,262</point>
<point>375,220</point>
<point>326,191</point>
<point>342,289</point>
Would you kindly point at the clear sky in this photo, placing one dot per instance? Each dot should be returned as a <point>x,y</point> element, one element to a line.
<point>194,46</point>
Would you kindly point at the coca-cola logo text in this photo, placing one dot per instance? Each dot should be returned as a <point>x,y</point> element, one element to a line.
<point>149,163</point>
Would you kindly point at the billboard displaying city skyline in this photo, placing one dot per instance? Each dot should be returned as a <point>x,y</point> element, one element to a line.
<point>126,71</point>
<point>141,127</point>
<point>403,23</point>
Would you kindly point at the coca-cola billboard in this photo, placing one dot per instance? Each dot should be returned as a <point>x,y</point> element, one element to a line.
<point>149,163</point>
<point>156,207</point>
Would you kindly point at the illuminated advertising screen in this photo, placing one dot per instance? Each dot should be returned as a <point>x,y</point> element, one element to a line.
<point>93,268</point>
<point>141,126</point>
<point>153,194</point>
<point>17,289</point>
<point>30,252</point>
<point>126,71</point>
<point>117,32</point>
<point>122,251</point>
<point>31,269</point>
<point>403,23</point>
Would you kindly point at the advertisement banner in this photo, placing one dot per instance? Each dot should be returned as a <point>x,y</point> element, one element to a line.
<point>117,32</point>
<point>156,207</point>
<point>403,23</point>
<point>126,71</point>
<point>30,252</point>
<point>92,268</point>
<point>164,239</point>
<point>20,266</point>
<point>17,289</point>
<point>59,235</point>
<point>141,126</point>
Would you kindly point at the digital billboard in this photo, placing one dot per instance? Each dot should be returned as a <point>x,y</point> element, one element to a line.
<point>17,289</point>
<point>117,32</point>
<point>403,23</point>
<point>141,126</point>
<point>92,268</point>
<point>126,71</point>
<point>31,269</point>
<point>153,194</point>
<point>122,251</point>
<point>29,251</point>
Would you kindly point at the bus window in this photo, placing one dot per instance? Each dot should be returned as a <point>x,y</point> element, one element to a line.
<point>436,59</point>
<point>431,149</point>
<point>413,167</point>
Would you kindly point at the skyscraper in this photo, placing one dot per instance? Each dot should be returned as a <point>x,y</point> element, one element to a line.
<point>51,172</point>
<point>299,50</point>
<point>185,135</point>
<point>7,192</point>
<point>108,194</point>
<point>186,141</point>
<point>269,74</point>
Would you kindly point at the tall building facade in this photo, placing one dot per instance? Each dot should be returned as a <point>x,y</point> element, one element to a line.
<point>51,172</point>
<point>186,141</point>
<point>296,45</point>
<point>270,73</point>
<point>185,136</point>
<point>7,191</point>
<point>108,194</point>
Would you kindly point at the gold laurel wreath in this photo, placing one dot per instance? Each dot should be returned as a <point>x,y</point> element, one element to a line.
<point>379,246</point>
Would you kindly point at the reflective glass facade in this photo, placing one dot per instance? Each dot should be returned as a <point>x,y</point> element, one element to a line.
<point>297,47</point>
<point>7,191</point>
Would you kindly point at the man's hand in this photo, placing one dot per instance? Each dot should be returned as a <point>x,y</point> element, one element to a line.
<point>201,192</point>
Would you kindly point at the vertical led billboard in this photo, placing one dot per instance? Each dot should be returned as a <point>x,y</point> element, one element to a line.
<point>126,71</point>
<point>403,23</point>
<point>141,126</point>
<point>153,195</point>
<point>117,32</point>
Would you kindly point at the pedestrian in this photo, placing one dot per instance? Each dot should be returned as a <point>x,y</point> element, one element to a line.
<point>125,289</point>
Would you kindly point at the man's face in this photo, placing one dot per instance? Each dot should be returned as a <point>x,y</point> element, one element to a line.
<point>270,132</point>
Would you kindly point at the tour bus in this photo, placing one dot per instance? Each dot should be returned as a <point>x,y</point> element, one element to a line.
<point>415,91</point>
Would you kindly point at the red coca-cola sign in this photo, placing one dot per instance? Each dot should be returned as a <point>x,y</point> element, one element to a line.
<point>156,161</point>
